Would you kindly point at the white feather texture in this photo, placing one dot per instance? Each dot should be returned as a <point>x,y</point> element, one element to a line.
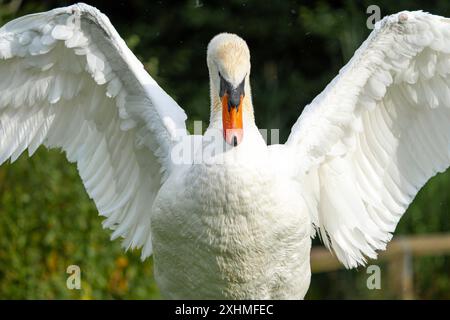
<point>239,223</point>
<point>376,134</point>
<point>69,81</point>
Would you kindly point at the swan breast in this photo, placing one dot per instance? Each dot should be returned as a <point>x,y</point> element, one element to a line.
<point>230,231</point>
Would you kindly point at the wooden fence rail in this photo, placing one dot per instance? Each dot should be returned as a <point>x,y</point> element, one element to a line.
<point>399,255</point>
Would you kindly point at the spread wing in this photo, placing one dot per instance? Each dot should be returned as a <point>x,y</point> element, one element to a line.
<point>376,134</point>
<point>67,80</point>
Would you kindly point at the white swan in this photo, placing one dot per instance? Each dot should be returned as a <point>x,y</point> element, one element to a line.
<point>235,222</point>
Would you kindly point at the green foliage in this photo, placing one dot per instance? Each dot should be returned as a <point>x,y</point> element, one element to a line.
<point>47,222</point>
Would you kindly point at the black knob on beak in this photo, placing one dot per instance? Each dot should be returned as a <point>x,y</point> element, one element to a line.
<point>234,99</point>
<point>234,94</point>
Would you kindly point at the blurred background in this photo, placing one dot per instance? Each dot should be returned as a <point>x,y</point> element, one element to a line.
<point>47,221</point>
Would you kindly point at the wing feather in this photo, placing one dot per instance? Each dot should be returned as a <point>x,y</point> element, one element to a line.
<point>377,133</point>
<point>67,80</point>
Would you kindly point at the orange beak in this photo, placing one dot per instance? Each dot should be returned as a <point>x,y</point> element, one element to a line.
<point>232,121</point>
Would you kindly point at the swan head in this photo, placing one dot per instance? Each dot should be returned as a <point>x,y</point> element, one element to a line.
<point>228,61</point>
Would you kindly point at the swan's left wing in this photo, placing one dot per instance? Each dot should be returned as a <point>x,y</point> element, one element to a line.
<point>376,134</point>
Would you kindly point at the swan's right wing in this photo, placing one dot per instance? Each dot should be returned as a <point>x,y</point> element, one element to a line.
<point>68,80</point>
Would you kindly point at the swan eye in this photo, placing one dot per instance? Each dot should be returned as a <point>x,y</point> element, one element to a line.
<point>224,86</point>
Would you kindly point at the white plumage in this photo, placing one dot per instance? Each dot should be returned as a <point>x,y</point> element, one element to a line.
<point>238,223</point>
<point>68,80</point>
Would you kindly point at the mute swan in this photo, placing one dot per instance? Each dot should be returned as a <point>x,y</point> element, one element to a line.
<point>236,222</point>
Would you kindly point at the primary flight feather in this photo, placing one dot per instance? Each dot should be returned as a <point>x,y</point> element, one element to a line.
<point>234,218</point>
